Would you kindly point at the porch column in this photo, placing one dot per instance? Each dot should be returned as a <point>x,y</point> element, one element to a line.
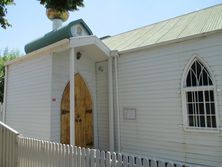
<point>116,56</point>
<point>110,83</point>
<point>72,95</point>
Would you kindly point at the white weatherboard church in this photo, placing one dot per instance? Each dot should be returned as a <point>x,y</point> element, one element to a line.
<point>153,91</point>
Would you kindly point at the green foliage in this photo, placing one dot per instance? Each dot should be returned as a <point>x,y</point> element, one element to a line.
<point>3,11</point>
<point>62,5</point>
<point>4,57</point>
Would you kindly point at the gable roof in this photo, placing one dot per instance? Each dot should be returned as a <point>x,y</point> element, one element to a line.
<point>54,36</point>
<point>199,22</point>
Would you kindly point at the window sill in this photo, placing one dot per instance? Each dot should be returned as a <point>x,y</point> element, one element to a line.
<point>202,130</point>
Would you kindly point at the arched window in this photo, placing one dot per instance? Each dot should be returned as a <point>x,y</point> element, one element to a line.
<point>199,96</point>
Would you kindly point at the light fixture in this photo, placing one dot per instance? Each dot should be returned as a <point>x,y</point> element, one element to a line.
<point>101,69</point>
<point>78,55</point>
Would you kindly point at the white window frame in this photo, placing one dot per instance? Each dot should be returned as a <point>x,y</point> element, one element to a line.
<point>184,89</point>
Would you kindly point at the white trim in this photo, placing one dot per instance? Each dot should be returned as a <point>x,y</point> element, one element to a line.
<point>189,64</point>
<point>72,95</point>
<point>111,120</point>
<point>216,107</point>
<point>200,129</point>
<point>89,40</point>
<point>5,94</point>
<point>95,120</point>
<point>184,108</point>
<point>55,47</point>
<point>200,88</point>
<point>62,45</point>
<point>9,128</point>
<point>117,103</point>
<point>50,101</point>
<point>94,111</point>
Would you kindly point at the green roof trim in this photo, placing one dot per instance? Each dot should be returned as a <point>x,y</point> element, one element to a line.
<point>55,36</point>
<point>191,24</point>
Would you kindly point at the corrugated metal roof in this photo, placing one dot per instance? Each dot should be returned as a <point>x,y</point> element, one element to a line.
<point>202,21</point>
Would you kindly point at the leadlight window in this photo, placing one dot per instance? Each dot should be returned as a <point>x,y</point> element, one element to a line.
<point>200,100</point>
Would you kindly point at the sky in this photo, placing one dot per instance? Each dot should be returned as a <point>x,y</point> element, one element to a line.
<point>111,17</point>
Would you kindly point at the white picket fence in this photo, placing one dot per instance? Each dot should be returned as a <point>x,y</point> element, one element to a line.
<point>19,151</point>
<point>8,146</point>
<point>37,153</point>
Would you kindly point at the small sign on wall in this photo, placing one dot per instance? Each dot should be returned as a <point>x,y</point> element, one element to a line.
<point>53,99</point>
<point>129,113</point>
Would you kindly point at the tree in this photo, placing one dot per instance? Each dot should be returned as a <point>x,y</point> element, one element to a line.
<point>6,56</point>
<point>62,5</point>
<point>3,11</point>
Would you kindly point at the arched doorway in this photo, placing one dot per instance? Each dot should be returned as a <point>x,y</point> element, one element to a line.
<point>83,114</point>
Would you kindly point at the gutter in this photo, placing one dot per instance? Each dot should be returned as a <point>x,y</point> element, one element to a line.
<point>111,118</point>
<point>116,56</point>
<point>62,45</point>
<point>5,94</point>
<point>111,79</point>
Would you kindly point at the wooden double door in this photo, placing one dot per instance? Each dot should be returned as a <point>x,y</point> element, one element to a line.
<point>83,114</point>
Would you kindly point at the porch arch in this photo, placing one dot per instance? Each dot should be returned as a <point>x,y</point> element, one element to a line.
<point>83,114</point>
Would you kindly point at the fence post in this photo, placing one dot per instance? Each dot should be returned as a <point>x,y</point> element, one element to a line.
<point>98,157</point>
<point>153,163</point>
<point>120,160</point>
<point>125,160</point>
<point>92,156</point>
<point>113,157</point>
<point>88,157</point>
<point>146,162</point>
<point>103,158</point>
<point>170,164</point>
<point>19,151</point>
<point>131,161</point>
<point>83,156</point>
<point>161,164</point>
<point>16,150</point>
<point>8,146</point>
<point>108,159</point>
<point>138,162</point>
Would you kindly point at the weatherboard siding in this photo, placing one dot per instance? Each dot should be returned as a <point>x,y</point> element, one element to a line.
<point>28,97</point>
<point>150,81</point>
<point>60,77</point>
<point>102,105</point>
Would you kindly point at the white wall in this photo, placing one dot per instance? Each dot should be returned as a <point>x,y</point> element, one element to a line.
<point>28,97</point>
<point>150,81</point>
<point>97,84</point>
<point>60,78</point>
<point>1,112</point>
<point>102,104</point>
